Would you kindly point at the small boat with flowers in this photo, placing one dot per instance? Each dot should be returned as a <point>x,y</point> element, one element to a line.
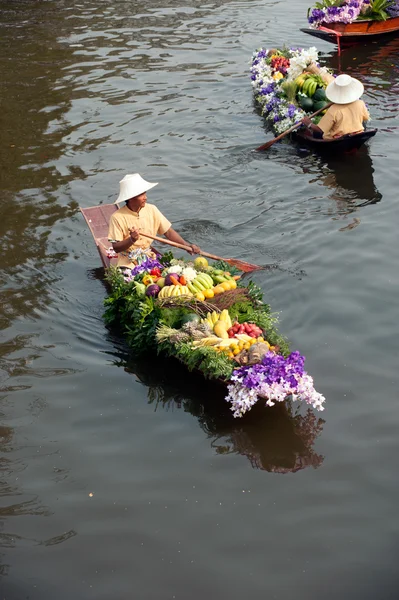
<point>207,317</point>
<point>289,85</point>
<point>350,21</point>
<point>341,145</point>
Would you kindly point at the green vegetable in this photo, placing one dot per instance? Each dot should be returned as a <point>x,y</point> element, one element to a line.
<point>140,289</point>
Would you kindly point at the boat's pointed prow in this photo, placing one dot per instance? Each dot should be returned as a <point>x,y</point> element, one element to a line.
<point>97,219</point>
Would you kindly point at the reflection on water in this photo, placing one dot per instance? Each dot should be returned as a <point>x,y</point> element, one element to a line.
<point>341,174</point>
<point>278,440</point>
<point>30,206</point>
<point>349,179</point>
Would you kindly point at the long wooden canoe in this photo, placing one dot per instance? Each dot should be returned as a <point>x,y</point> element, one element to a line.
<point>358,31</point>
<point>278,440</point>
<point>346,143</point>
<point>97,219</point>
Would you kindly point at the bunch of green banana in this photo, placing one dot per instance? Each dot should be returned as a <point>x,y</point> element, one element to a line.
<point>308,83</point>
<point>218,276</point>
<point>202,282</point>
<point>309,87</point>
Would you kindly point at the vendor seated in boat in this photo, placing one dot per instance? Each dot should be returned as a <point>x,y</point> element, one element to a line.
<point>348,113</point>
<point>135,217</point>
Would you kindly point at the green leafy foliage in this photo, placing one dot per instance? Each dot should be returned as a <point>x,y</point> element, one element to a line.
<point>377,10</point>
<point>290,89</point>
<point>166,258</point>
<point>325,4</point>
<point>213,365</point>
<point>224,266</point>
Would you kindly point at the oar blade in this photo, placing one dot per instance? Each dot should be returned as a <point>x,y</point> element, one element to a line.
<point>265,146</point>
<point>246,267</point>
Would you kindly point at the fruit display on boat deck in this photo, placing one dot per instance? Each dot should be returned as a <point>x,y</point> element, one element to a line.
<point>213,321</point>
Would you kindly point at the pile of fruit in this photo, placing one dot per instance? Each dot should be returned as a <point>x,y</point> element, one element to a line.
<point>311,95</point>
<point>279,63</point>
<point>232,339</point>
<point>201,281</point>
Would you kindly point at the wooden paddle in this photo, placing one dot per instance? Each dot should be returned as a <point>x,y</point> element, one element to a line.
<point>239,264</point>
<point>280,137</point>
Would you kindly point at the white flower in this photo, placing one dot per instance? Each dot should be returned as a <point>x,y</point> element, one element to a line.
<point>300,60</point>
<point>175,269</point>
<point>189,273</point>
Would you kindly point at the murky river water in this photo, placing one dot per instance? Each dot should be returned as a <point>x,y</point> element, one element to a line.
<point>125,480</point>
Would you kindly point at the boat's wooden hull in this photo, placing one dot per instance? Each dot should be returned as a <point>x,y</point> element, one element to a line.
<point>97,219</point>
<point>346,143</point>
<point>357,31</point>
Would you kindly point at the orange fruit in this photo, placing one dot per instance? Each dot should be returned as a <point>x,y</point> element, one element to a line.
<point>209,293</point>
<point>218,289</point>
<point>200,296</point>
<point>226,285</point>
<point>233,284</point>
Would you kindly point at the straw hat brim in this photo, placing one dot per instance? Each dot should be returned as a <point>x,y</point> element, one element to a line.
<point>340,94</point>
<point>131,190</point>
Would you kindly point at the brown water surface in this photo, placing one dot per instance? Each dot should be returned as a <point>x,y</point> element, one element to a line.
<point>123,479</point>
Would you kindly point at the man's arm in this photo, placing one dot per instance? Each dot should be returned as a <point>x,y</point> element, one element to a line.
<point>173,236</point>
<point>312,127</point>
<point>127,242</point>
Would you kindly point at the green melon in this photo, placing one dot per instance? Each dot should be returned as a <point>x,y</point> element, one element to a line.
<point>190,318</point>
<point>319,95</point>
<point>319,105</point>
<point>305,103</point>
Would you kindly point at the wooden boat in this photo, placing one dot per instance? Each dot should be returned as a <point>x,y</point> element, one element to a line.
<point>358,31</point>
<point>346,143</point>
<point>97,219</point>
<point>278,440</point>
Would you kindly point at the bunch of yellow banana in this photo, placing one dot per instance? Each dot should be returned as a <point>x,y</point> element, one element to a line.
<point>300,80</point>
<point>212,318</point>
<point>174,290</point>
<point>202,282</point>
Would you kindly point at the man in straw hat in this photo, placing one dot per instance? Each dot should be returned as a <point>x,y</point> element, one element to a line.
<point>346,115</point>
<point>136,216</point>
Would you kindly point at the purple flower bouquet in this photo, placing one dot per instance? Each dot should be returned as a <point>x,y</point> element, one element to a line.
<point>276,378</point>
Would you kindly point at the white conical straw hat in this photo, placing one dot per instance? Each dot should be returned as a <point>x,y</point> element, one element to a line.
<point>131,186</point>
<point>344,89</point>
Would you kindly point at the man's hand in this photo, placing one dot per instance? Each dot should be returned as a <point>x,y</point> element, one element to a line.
<point>195,249</point>
<point>134,234</point>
